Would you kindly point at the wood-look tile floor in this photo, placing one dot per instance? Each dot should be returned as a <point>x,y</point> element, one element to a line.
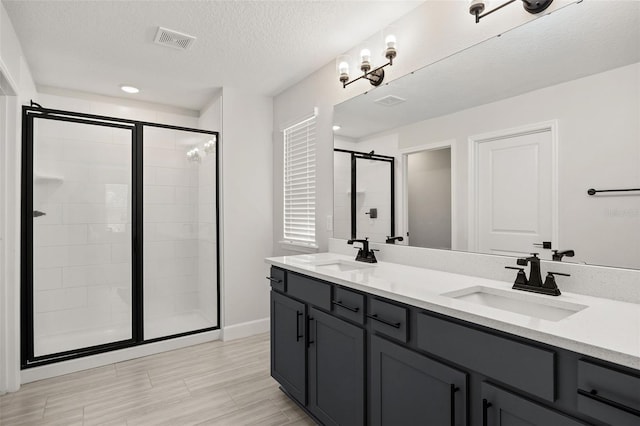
<point>216,383</point>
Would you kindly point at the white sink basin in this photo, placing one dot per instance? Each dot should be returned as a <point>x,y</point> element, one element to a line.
<point>550,309</point>
<point>342,265</point>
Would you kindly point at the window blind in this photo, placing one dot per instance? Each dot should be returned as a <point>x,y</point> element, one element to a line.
<point>300,183</point>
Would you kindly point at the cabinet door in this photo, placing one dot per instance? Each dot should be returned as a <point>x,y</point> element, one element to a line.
<point>502,408</point>
<point>408,388</point>
<point>336,370</point>
<point>288,351</point>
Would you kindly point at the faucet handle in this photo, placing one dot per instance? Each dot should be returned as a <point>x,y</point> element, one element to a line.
<point>521,278</point>
<point>558,273</point>
<point>550,282</point>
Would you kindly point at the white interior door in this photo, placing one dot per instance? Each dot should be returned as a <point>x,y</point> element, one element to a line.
<point>515,193</point>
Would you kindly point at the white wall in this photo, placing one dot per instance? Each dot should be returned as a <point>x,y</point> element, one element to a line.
<point>18,85</point>
<point>247,218</point>
<point>427,34</point>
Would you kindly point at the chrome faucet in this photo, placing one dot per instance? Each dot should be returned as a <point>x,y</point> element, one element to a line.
<point>364,254</point>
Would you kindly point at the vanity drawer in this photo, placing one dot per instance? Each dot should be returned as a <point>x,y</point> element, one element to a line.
<point>516,364</point>
<point>277,278</point>
<point>348,304</point>
<point>309,290</point>
<point>608,395</point>
<point>389,319</point>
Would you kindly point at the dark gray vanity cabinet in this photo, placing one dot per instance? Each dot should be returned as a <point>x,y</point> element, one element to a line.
<point>407,388</point>
<point>503,408</point>
<point>353,358</point>
<point>336,370</point>
<point>317,357</point>
<point>288,345</point>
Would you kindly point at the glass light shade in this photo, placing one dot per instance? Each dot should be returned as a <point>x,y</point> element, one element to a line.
<point>365,55</point>
<point>342,67</point>
<point>390,41</point>
<point>390,45</point>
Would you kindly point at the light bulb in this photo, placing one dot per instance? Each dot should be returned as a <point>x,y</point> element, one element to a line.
<point>343,68</point>
<point>390,41</point>
<point>365,65</point>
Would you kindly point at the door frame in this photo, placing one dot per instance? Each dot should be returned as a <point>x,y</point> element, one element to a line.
<point>404,165</point>
<point>474,142</point>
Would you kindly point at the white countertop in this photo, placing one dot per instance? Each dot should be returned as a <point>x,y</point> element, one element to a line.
<point>605,329</point>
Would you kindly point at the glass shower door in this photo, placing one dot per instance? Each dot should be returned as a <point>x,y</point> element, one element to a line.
<point>82,234</point>
<point>373,215</point>
<point>180,231</point>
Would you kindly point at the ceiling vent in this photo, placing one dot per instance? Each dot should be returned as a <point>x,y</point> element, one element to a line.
<point>389,100</point>
<point>174,39</point>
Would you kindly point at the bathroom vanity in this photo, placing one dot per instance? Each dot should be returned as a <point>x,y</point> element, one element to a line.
<point>389,344</point>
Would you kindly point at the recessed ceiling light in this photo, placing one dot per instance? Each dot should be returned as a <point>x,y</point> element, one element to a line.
<point>129,89</point>
<point>336,127</point>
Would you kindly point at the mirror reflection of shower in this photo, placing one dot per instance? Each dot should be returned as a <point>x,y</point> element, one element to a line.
<point>364,194</point>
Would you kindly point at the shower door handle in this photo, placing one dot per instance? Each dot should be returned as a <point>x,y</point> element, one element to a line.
<point>38,213</point>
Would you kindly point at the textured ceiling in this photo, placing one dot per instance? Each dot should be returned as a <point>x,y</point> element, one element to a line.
<point>573,42</point>
<point>260,46</point>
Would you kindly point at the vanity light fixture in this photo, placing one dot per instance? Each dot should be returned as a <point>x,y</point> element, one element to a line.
<point>476,7</point>
<point>376,75</point>
<point>129,89</point>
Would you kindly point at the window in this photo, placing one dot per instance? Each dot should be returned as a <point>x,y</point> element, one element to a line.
<point>300,183</point>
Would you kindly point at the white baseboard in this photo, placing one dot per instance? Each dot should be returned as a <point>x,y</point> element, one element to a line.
<point>245,329</point>
<point>93,361</point>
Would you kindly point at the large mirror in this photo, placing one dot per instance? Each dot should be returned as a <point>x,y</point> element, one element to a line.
<point>496,147</point>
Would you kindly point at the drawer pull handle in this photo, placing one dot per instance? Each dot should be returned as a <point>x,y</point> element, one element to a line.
<point>339,303</point>
<point>274,280</point>
<point>485,406</point>
<point>298,335</point>
<point>453,389</point>
<point>310,334</point>
<point>384,321</point>
<point>594,395</point>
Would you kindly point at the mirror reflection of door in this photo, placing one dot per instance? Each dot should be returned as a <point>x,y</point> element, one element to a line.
<point>429,198</point>
<point>515,192</point>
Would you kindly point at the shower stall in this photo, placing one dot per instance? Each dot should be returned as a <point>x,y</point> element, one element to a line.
<point>119,234</point>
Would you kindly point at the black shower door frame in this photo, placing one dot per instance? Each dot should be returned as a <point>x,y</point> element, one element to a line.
<point>355,156</point>
<point>29,113</point>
